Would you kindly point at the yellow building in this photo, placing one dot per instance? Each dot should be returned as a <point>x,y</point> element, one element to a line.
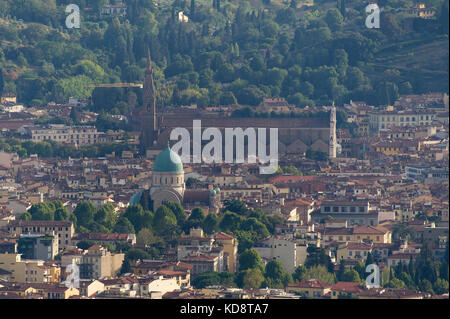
<point>310,288</point>
<point>30,271</point>
<point>375,234</point>
<point>397,147</point>
<point>230,247</point>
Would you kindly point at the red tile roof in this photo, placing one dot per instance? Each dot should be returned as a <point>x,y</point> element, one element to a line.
<point>348,286</point>
<point>224,236</point>
<point>312,283</point>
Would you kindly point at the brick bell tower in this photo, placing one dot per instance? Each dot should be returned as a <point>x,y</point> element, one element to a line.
<point>149,126</point>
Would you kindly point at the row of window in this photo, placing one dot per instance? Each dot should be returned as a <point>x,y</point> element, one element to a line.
<point>38,229</point>
<point>172,179</point>
<point>344,209</point>
<point>404,118</point>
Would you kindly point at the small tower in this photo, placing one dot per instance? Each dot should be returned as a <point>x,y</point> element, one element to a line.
<point>332,145</point>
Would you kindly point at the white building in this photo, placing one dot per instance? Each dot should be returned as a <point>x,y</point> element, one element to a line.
<point>288,251</point>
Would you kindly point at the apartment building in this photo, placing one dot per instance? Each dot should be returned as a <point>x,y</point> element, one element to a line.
<point>43,247</point>
<point>385,119</point>
<point>26,270</point>
<point>63,230</point>
<point>356,212</point>
<point>99,262</point>
<point>288,251</point>
<point>79,135</point>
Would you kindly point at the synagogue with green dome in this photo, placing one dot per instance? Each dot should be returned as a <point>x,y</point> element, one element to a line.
<point>168,185</point>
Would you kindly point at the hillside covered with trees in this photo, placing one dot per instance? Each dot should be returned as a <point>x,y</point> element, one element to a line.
<point>228,52</point>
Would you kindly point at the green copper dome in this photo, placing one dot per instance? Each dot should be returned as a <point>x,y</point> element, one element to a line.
<point>168,162</point>
<point>136,198</point>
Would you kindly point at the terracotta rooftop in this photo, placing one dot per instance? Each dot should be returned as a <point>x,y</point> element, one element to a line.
<point>348,286</point>
<point>312,283</point>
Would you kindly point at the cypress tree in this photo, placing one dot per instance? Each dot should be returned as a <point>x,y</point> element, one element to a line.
<point>192,9</point>
<point>2,82</point>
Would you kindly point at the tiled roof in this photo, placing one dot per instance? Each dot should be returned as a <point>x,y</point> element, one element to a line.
<point>101,236</point>
<point>312,283</point>
<point>224,236</point>
<point>358,246</point>
<point>28,223</point>
<point>363,229</point>
<point>348,286</point>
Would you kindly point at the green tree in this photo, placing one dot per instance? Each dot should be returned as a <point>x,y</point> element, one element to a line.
<point>250,259</point>
<point>390,25</point>
<point>163,220</point>
<point>106,216</point>
<point>334,19</point>
<point>42,211</point>
<point>254,225</point>
<point>440,286</point>
<point>138,217</point>
<point>61,213</point>
<point>252,279</point>
<point>350,275</point>
<point>426,286</point>
<point>396,283</point>
<point>126,267</point>
<point>2,82</point>
<point>300,273</point>
<point>275,274</point>
<point>136,254</point>
<point>230,222</point>
<point>369,259</point>
<point>320,273</point>
<point>145,237</point>
<point>444,17</point>
<point>317,256</point>
<point>85,212</point>
<point>85,244</point>
<point>124,226</point>
<point>178,211</point>
<point>227,98</point>
<point>210,223</point>
<point>26,216</point>
<point>206,279</point>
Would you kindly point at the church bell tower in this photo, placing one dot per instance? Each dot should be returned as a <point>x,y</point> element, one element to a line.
<point>149,126</point>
